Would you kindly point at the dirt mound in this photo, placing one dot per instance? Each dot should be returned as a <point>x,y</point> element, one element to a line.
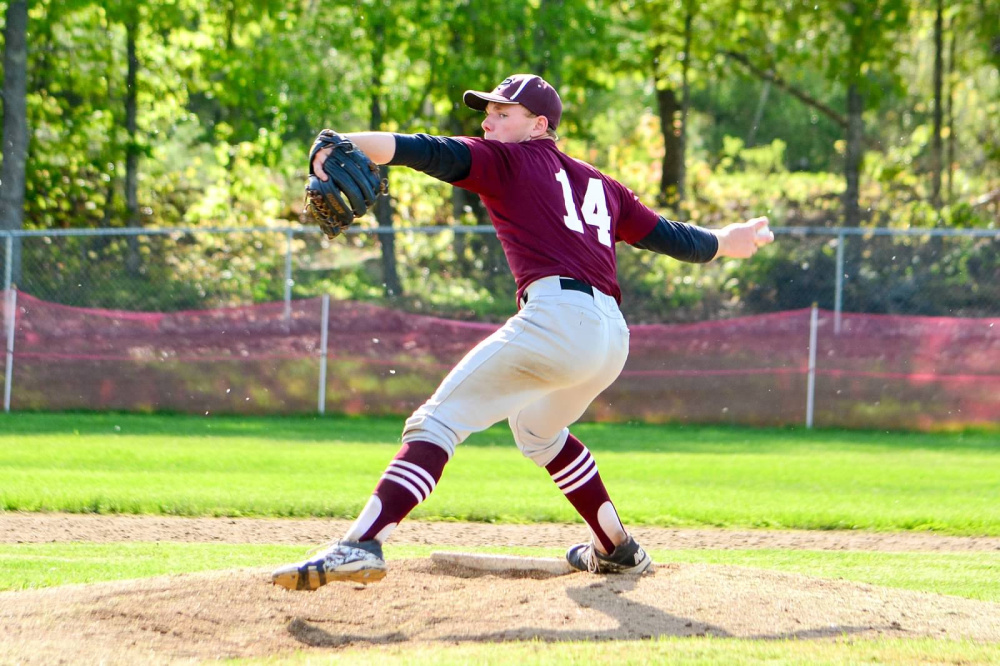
<point>239,614</point>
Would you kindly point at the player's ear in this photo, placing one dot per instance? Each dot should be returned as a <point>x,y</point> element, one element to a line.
<point>541,126</point>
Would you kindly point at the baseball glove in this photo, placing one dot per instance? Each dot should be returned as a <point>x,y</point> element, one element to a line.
<point>351,176</point>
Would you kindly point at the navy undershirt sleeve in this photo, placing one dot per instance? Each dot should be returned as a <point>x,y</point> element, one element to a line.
<point>442,157</point>
<point>685,242</point>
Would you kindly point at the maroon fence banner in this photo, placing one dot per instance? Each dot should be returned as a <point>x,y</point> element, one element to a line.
<point>871,371</point>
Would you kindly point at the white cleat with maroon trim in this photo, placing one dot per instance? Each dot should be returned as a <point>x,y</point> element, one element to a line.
<point>355,561</point>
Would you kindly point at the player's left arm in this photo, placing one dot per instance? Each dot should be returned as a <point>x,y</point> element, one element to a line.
<point>379,147</point>
<point>444,158</point>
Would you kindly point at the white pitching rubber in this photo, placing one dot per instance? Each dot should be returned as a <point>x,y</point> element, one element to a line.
<point>485,562</point>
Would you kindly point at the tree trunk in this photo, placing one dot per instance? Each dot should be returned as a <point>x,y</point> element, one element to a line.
<point>383,207</point>
<point>549,14</point>
<point>383,213</point>
<point>949,160</point>
<point>132,260</point>
<point>936,147</point>
<point>685,105</point>
<point>15,127</point>
<point>107,216</point>
<point>672,172</point>
<point>854,157</point>
<point>223,113</point>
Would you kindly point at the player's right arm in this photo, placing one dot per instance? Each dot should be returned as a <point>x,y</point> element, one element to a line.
<point>642,227</point>
<point>681,241</point>
<point>694,244</point>
<point>741,240</point>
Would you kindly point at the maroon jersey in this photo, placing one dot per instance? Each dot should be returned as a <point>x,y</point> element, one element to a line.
<point>554,215</point>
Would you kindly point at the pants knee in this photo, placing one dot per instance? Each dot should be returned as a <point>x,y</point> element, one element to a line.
<point>427,429</point>
<point>540,450</point>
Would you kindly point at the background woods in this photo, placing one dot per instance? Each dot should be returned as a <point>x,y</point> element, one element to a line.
<point>159,114</point>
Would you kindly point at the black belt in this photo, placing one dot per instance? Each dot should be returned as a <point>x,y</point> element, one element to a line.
<point>571,284</point>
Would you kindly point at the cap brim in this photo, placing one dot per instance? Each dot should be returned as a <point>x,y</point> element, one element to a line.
<point>478,100</point>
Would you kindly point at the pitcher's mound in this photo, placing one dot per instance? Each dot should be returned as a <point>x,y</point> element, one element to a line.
<point>240,614</point>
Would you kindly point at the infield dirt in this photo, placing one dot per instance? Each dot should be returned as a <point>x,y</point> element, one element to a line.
<point>237,613</point>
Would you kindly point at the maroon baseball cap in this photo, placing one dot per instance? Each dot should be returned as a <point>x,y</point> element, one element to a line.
<point>528,90</point>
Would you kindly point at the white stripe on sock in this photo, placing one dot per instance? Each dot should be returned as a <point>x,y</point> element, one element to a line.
<point>389,476</point>
<point>415,479</point>
<point>577,473</point>
<point>587,465</point>
<point>570,467</point>
<point>367,518</point>
<point>421,472</point>
<point>385,532</point>
<point>588,477</point>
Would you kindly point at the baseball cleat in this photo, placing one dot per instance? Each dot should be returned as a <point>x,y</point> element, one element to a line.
<point>355,561</point>
<point>627,558</point>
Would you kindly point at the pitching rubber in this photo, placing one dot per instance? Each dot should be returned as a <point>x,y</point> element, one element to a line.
<point>485,562</point>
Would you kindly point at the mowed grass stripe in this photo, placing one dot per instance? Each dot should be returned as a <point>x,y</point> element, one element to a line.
<point>26,566</point>
<point>700,651</point>
<point>658,475</point>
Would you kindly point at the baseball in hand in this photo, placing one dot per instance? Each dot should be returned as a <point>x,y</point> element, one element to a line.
<point>764,236</point>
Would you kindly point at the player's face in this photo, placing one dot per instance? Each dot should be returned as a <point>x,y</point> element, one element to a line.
<point>509,123</point>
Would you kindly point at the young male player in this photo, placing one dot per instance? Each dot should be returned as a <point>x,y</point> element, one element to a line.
<point>558,220</point>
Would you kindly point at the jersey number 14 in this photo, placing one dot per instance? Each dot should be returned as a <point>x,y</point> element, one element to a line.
<point>594,209</point>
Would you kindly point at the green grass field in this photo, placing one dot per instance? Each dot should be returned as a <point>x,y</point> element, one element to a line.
<point>36,565</point>
<point>658,475</point>
<point>680,651</point>
<point>666,476</point>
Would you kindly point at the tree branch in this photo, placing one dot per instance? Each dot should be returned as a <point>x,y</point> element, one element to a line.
<point>769,75</point>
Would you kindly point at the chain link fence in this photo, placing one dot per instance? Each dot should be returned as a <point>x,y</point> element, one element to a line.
<point>903,332</point>
<point>460,272</point>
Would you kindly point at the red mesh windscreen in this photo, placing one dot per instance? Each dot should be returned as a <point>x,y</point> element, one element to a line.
<point>877,371</point>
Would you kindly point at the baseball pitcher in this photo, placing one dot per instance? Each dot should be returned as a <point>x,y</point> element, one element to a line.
<point>558,220</point>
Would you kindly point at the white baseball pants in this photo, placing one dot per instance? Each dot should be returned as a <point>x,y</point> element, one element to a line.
<point>540,371</point>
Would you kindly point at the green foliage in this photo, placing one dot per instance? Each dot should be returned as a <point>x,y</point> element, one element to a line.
<point>230,95</point>
<point>730,108</point>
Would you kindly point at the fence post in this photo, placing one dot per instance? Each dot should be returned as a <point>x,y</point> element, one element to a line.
<point>838,296</point>
<point>323,340</point>
<point>8,263</point>
<point>811,384</point>
<point>10,312</point>
<point>288,275</point>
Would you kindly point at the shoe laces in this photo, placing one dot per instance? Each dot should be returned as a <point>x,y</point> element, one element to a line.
<point>592,564</point>
<point>315,550</point>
